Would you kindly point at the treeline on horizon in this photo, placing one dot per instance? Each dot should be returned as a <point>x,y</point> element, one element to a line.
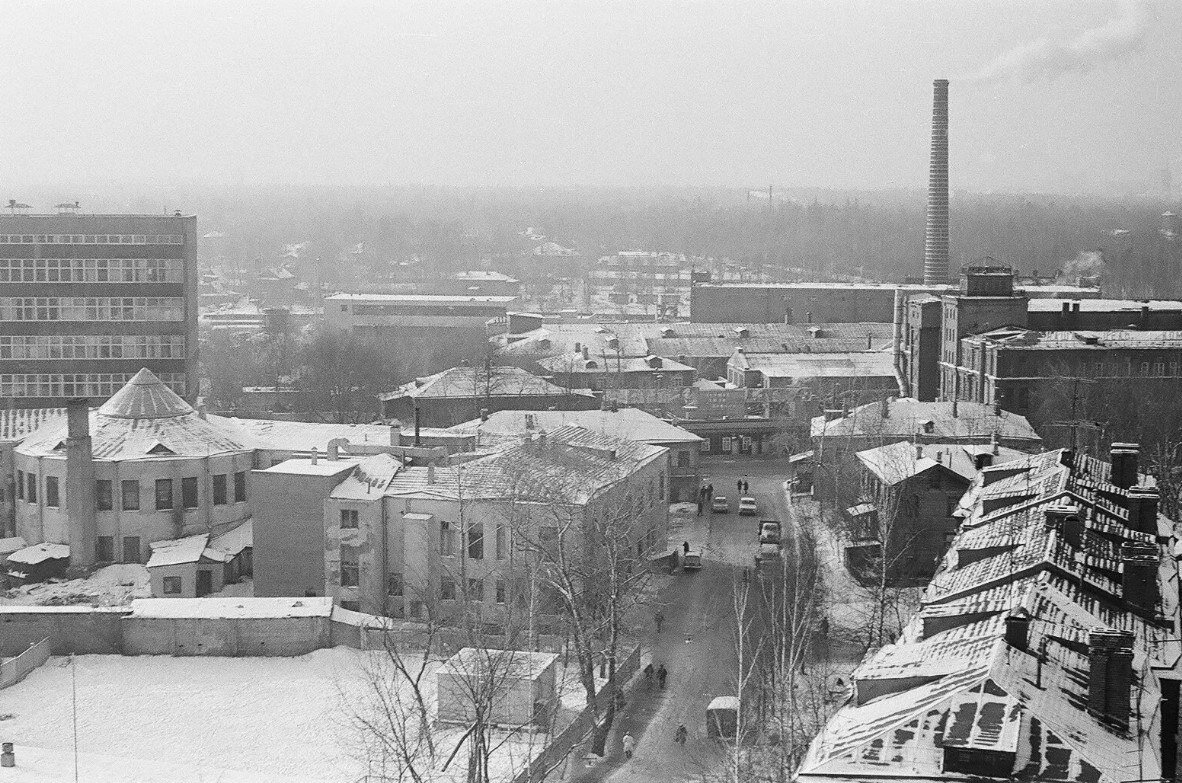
<point>816,233</point>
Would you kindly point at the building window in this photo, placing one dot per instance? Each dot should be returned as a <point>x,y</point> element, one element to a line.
<point>20,485</point>
<point>240,487</point>
<point>104,549</point>
<point>129,494</point>
<point>102,495</point>
<point>51,494</point>
<point>189,492</point>
<point>394,585</point>
<point>219,489</point>
<point>31,487</point>
<point>447,540</point>
<point>348,518</point>
<point>163,494</point>
<point>475,590</point>
<point>349,568</point>
<point>683,459</point>
<point>172,585</point>
<point>500,591</point>
<point>447,588</point>
<point>131,549</point>
<point>476,541</point>
<point>502,542</point>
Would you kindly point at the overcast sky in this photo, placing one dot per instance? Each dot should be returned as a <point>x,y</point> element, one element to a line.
<point>1078,96</point>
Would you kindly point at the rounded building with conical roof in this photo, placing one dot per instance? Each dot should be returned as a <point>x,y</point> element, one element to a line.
<point>144,467</point>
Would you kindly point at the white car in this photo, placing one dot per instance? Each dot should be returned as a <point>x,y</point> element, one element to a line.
<point>747,507</point>
<point>719,505</point>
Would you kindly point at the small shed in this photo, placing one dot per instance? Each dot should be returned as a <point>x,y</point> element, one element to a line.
<point>722,717</point>
<point>186,568</point>
<point>37,563</point>
<point>519,685</point>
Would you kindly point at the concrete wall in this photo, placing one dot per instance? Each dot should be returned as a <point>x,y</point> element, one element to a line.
<point>82,630</point>
<point>266,636</point>
<point>16,669</point>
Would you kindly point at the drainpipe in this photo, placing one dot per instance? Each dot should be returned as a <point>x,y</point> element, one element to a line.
<point>897,344</point>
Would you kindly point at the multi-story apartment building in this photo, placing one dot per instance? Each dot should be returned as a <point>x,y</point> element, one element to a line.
<point>639,277</point>
<point>86,301</point>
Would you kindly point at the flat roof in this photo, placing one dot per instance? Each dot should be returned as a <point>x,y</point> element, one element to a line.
<point>230,608</point>
<point>302,466</point>
<point>1105,305</point>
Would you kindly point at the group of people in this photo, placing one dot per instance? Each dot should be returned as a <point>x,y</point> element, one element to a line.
<point>661,673</point>
<point>742,487</point>
<point>705,495</point>
<point>679,736</point>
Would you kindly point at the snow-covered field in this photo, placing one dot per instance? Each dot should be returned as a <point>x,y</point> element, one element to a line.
<point>287,717</point>
<point>114,585</point>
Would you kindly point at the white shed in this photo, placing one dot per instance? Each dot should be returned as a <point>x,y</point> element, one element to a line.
<point>520,686</point>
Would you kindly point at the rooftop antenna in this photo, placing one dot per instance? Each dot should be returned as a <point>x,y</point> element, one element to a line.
<point>14,205</point>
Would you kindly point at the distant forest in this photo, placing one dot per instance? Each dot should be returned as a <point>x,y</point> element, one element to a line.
<point>824,234</point>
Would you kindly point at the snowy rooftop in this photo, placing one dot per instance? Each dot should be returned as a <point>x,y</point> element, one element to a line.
<point>897,462</point>
<point>908,416</point>
<point>234,541</point>
<point>625,424</point>
<point>230,608</point>
<point>474,382</point>
<point>39,553</point>
<point>514,664</point>
<point>302,466</point>
<point>178,551</point>
<point>420,299</point>
<point>369,479</point>
<point>817,365</point>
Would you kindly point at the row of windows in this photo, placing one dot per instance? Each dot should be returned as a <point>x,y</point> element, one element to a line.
<point>471,312</point>
<point>473,540</point>
<point>92,239</point>
<point>104,549</point>
<point>92,270</point>
<point>129,492</point>
<point>92,308</point>
<point>94,384</point>
<point>107,346</point>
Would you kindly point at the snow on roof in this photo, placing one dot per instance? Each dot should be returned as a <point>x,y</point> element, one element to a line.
<point>626,423</point>
<point>230,608</point>
<point>178,551</point>
<point>10,545</point>
<point>899,461</point>
<point>304,466</point>
<point>234,541</point>
<point>724,703</point>
<point>369,479</point>
<point>299,436</point>
<point>612,364</point>
<point>514,664</point>
<point>1132,306</point>
<point>818,365</point>
<point>16,423</point>
<point>465,382</point>
<point>39,553</point>
<point>421,298</point>
<point>908,416</point>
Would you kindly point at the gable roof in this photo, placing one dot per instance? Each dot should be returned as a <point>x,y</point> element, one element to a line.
<point>934,420</point>
<point>475,382</point>
<point>899,461</point>
<point>624,424</point>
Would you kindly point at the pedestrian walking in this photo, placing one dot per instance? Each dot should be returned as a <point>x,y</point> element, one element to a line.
<point>739,486</point>
<point>681,735</point>
<point>685,547</point>
<point>629,745</point>
<point>710,492</point>
<point>746,487</point>
<point>699,507</point>
<point>659,620</point>
<point>662,673</point>
<point>648,675</point>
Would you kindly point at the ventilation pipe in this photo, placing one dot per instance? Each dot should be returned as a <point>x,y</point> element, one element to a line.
<point>315,456</point>
<point>334,448</point>
<point>897,345</point>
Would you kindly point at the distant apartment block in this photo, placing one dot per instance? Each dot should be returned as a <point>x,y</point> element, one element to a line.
<point>86,301</point>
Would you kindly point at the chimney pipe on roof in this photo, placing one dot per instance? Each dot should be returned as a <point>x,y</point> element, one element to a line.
<point>314,456</point>
<point>1110,675</point>
<point>1138,582</point>
<point>1018,631</point>
<point>202,413</point>
<point>886,408</point>
<point>1142,505</point>
<point>935,250</point>
<point>430,472</point>
<point>919,451</point>
<point>1124,458</point>
<point>994,448</point>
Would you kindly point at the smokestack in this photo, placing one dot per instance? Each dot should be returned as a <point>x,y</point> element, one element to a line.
<point>81,511</point>
<point>935,247</point>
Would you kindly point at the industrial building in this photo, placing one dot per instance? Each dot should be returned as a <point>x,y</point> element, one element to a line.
<point>87,300</point>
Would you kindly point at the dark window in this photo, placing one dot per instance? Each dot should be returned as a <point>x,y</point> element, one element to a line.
<point>219,489</point>
<point>163,494</point>
<point>500,591</point>
<point>31,487</point>
<point>102,495</point>
<point>502,542</point>
<point>348,518</point>
<point>476,541</point>
<point>240,487</point>
<point>20,485</point>
<point>447,588</point>
<point>104,549</point>
<point>131,549</point>
<point>447,540</point>
<point>475,589</point>
<point>51,496</point>
<point>172,585</point>
<point>349,568</point>
<point>394,585</point>
<point>129,491</point>
<point>189,492</point>
<point>683,459</point>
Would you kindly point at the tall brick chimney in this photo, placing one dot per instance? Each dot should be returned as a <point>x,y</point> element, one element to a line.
<point>1124,458</point>
<point>935,246</point>
<point>1138,578</point>
<point>1110,675</point>
<point>81,511</point>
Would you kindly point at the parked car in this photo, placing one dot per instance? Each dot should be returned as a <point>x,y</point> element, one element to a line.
<point>692,561</point>
<point>768,553</point>
<point>769,532</point>
<point>719,505</point>
<point>747,507</point>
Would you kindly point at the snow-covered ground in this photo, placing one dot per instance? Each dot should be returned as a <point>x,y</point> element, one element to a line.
<point>287,717</point>
<point>114,585</point>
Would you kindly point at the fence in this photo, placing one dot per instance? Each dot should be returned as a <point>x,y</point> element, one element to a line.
<point>577,731</point>
<point>16,669</point>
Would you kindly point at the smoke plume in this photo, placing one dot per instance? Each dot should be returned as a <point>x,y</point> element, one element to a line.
<point>1089,263</point>
<point>1049,59</point>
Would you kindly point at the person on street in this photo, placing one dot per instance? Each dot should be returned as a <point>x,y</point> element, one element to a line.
<point>658,619</point>
<point>648,676</point>
<point>699,507</point>
<point>739,486</point>
<point>685,547</point>
<point>662,673</point>
<point>681,735</point>
<point>746,487</point>
<point>629,745</point>
<point>710,492</point>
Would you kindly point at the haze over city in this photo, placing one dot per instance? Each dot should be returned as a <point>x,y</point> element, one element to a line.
<point>1071,97</point>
